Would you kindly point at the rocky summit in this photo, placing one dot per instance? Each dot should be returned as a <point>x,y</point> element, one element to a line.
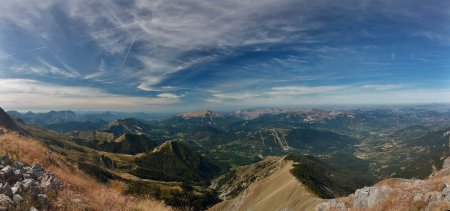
<point>25,187</point>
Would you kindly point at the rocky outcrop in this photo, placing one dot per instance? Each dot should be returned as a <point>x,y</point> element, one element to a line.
<point>369,197</point>
<point>398,194</point>
<point>364,198</point>
<point>25,187</point>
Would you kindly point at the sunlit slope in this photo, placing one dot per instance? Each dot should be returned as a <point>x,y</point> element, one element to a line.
<point>279,191</point>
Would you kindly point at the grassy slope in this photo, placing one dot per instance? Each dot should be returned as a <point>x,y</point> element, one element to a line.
<point>107,167</point>
<point>279,191</point>
<point>76,184</point>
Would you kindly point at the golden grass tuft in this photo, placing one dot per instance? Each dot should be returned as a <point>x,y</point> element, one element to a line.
<point>79,191</point>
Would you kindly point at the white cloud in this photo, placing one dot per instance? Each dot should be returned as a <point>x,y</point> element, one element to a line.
<point>32,94</point>
<point>168,95</point>
<point>165,31</point>
<point>332,95</point>
<point>45,69</point>
<point>149,83</point>
<point>303,90</point>
<point>383,86</point>
<point>101,72</point>
<point>235,96</point>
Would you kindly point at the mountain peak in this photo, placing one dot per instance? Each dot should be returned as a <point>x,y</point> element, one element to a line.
<point>201,114</point>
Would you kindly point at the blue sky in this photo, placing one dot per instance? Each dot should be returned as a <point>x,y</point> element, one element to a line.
<point>184,55</point>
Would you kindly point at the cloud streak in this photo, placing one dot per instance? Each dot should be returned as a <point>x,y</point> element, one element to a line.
<point>35,95</point>
<point>254,52</point>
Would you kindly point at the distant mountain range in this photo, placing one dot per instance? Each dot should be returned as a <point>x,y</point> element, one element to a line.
<point>175,159</point>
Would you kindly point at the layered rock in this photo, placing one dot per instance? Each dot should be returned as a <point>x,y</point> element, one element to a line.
<point>25,187</point>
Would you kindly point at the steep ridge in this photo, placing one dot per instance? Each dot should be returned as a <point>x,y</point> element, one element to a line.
<point>279,191</point>
<point>201,118</point>
<point>232,183</point>
<point>121,126</point>
<point>6,122</point>
<point>125,144</point>
<point>208,114</point>
<point>175,161</point>
<point>107,167</point>
<point>76,126</point>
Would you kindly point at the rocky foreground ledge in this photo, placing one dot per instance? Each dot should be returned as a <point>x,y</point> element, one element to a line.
<point>25,188</point>
<point>432,193</point>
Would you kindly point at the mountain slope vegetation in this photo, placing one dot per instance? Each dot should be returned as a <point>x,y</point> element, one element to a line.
<point>325,180</point>
<point>175,161</point>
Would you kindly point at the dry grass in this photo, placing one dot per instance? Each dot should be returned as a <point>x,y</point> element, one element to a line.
<point>79,191</point>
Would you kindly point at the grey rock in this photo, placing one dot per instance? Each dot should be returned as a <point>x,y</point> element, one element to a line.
<point>17,198</point>
<point>432,196</point>
<point>29,183</point>
<point>43,200</point>
<point>8,170</point>
<point>6,189</point>
<point>49,183</point>
<point>6,202</point>
<point>369,196</point>
<point>446,191</point>
<point>340,206</point>
<point>418,197</point>
<point>323,206</point>
<point>37,167</point>
<point>33,209</point>
<point>15,190</point>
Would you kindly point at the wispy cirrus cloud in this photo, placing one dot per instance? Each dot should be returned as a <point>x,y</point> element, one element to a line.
<point>302,90</point>
<point>382,86</point>
<point>254,52</point>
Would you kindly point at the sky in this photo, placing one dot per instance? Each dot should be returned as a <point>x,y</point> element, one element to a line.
<point>140,55</point>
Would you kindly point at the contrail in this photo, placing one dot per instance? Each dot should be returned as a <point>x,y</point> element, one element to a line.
<point>57,27</point>
<point>22,52</point>
<point>128,52</point>
<point>117,27</point>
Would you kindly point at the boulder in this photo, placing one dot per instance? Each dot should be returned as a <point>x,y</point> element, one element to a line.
<point>15,190</point>
<point>8,171</point>
<point>6,189</point>
<point>340,206</point>
<point>368,197</point>
<point>418,197</point>
<point>37,167</point>
<point>6,202</point>
<point>43,200</point>
<point>17,198</point>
